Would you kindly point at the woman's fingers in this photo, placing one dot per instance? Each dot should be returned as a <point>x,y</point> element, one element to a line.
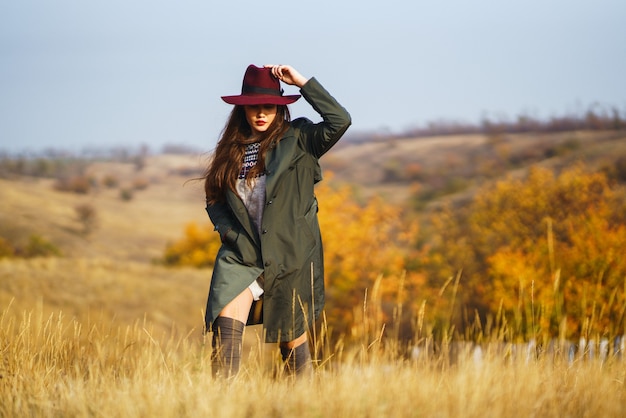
<point>287,74</point>
<point>273,69</point>
<point>278,70</point>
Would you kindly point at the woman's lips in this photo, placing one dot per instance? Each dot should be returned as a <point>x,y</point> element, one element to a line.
<point>260,122</point>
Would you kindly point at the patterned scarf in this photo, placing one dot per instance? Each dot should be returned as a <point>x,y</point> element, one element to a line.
<point>250,158</point>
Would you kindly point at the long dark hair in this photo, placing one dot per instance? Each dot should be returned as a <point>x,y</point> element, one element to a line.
<point>224,167</point>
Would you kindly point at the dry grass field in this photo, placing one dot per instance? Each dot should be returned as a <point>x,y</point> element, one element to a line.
<point>105,331</point>
<point>57,367</point>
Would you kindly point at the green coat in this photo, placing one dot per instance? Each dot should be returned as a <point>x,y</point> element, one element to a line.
<point>289,250</point>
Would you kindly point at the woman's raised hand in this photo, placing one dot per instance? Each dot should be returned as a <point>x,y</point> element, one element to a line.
<point>287,74</point>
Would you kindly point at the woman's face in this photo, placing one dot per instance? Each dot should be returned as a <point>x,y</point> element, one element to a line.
<point>260,117</point>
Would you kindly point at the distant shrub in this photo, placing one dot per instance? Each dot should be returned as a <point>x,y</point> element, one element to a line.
<point>140,183</point>
<point>37,246</point>
<point>620,169</point>
<point>76,184</point>
<point>563,148</point>
<point>436,189</point>
<point>126,194</point>
<point>616,170</point>
<point>6,249</point>
<point>86,215</point>
<point>110,181</point>
<point>43,167</point>
<point>454,185</point>
<point>415,172</point>
<point>393,171</point>
<point>526,156</point>
<point>139,162</point>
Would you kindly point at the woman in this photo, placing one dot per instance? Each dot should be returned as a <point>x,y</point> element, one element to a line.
<point>260,198</point>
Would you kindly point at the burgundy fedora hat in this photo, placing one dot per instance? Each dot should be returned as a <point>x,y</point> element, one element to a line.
<point>260,87</point>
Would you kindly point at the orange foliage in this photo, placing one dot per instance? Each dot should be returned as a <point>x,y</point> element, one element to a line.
<point>361,242</point>
<point>197,248</point>
<point>542,255</point>
<point>547,250</point>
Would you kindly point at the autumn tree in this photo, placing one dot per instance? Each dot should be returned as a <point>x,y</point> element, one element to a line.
<point>364,240</point>
<point>197,248</point>
<point>544,250</point>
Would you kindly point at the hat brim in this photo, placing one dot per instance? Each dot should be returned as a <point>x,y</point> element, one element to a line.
<point>260,99</point>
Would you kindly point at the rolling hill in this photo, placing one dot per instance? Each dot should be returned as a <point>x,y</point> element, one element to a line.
<point>109,273</point>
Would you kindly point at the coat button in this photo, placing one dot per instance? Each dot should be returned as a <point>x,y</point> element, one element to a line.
<point>270,202</point>
<point>268,263</point>
<point>265,231</point>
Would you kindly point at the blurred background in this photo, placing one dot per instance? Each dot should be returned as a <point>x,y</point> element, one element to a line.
<point>482,184</point>
<point>76,75</point>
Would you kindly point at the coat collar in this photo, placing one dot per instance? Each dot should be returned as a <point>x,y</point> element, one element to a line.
<point>240,212</point>
<point>277,160</point>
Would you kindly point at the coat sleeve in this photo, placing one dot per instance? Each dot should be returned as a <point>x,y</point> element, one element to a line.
<point>322,136</point>
<point>223,221</point>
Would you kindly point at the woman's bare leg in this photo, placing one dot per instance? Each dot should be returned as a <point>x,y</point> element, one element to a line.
<point>294,343</point>
<point>239,308</point>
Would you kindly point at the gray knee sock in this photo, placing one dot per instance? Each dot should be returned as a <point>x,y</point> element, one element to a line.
<point>227,341</point>
<point>297,360</point>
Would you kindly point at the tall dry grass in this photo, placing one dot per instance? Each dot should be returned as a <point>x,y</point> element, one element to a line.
<point>115,336</point>
<point>53,366</point>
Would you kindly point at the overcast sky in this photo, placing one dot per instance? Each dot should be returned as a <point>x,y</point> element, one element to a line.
<point>77,73</point>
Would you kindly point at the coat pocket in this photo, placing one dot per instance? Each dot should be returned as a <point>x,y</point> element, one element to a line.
<point>241,246</point>
<point>307,239</point>
<point>249,252</point>
<point>310,229</point>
